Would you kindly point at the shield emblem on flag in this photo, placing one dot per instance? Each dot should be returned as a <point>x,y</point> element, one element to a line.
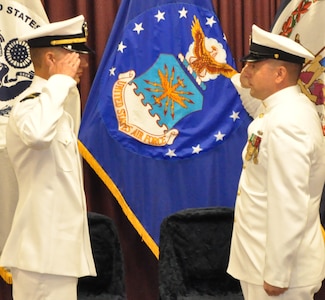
<point>150,105</point>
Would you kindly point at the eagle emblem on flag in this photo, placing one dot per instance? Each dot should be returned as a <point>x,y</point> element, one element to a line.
<point>149,106</point>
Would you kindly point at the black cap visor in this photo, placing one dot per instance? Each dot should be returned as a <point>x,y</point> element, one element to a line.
<point>259,52</point>
<point>75,43</point>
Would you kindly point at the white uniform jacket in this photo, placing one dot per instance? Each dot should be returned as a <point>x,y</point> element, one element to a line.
<point>50,230</point>
<point>277,234</point>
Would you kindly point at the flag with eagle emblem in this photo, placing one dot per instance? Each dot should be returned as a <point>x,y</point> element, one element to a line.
<point>163,126</point>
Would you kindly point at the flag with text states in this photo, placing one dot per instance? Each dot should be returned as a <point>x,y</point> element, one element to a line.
<point>16,68</point>
<point>16,74</point>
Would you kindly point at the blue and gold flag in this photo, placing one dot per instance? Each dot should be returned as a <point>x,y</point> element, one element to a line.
<point>163,126</point>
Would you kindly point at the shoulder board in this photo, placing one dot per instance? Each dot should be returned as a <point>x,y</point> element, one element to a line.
<point>31,96</point>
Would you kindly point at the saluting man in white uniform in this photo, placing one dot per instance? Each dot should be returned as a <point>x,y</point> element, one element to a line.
<point>277,249</point>
<point>48,247</point>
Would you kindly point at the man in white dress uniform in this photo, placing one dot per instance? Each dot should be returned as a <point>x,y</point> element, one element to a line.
<point>277,249</point>
<point>48,247</point>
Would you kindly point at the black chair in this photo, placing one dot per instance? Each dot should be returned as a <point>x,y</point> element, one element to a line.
<point>194,254</point>
<point>109,283</point>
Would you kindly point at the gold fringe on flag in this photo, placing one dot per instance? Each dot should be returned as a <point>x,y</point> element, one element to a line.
<point>6,275</point>
<point>323,232</point>
<point>145,236</point>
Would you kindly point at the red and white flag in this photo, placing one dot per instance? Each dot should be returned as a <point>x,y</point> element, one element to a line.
<point>304,21</point>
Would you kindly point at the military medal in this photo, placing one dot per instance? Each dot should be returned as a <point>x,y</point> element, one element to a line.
<point>253,147</point>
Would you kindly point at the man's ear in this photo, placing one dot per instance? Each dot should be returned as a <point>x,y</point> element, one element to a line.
<point>49,58</point>
<point>281,74</point>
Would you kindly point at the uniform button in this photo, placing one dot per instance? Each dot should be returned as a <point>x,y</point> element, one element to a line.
<point>238,193</point>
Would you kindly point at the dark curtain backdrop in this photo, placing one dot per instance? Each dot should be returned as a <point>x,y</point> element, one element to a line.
<point>236,17</point>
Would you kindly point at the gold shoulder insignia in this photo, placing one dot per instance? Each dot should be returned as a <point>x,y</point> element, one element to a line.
<point>31,96</point>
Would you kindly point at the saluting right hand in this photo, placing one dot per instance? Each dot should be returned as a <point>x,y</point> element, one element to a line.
<point>66,63</point>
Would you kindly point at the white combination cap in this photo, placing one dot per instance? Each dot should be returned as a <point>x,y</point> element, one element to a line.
<point>267,45</point>
<point>70,34</point>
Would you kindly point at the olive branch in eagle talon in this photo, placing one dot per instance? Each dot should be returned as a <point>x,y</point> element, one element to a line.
<point>169,91</point>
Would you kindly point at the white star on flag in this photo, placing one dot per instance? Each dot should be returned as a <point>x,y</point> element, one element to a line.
<point>234,116</point>
<point>138,28</point>
<point>183,13</point>
<point>160,16</point>
<point>197,149</point>
<point>210,21</point>
<point>121,47</point>
<point>224,37</point>
<point>171,153</point>
<point>219,136</point>
<point>112,71</point>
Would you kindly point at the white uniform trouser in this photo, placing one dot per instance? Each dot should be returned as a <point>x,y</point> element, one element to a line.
<point>254,292</point>
<point>34,286</point>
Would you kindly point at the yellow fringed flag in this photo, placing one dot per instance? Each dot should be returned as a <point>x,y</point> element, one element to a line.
<point>6,275</point>
<point>165,110</point>
<point>16,75</point>
<point>323,232</point>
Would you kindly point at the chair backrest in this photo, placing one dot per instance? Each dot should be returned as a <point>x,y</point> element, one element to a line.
<point>194,253</point>
<point>109,283</point>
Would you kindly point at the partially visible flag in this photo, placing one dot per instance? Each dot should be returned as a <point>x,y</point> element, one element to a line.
<point>163,126</point>
<point>304,21</point>
<point>16,74</point>
<point>16,69</point>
